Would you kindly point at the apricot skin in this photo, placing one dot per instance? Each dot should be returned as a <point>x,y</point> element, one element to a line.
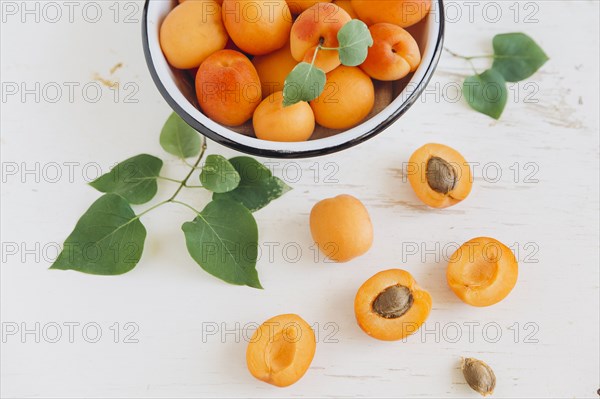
<point>403,13</point>
<point>257,26</point>
<point>341,227</point>
<point>272,121</point>
<point>297,6</point>
<point>228,87</point>
<point>273,69</point>
<point>281,350</point>
<point>482,272</point>
<point>321,21</point>
<point>394,53</point>
<point>347,99</point>
<point>191,32</point>
<point>346,5</point>
<point>387,329</point>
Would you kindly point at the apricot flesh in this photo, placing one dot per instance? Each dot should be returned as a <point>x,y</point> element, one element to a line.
<point>281,350</point>
<point>482,271</point>
<point>346,100</point>
<point>390,305</point>
<point>273,69</point>
<point>403,13</point>
<point>341,227</point>
<point>439,175</point>
<point>272,121</point>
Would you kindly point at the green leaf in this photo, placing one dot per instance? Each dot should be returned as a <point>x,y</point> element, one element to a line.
<point>486,93</point>
<point>354,41</point>
<point>257,188</point>
<point>304,83</point>
<point>223,240</point>
<point>179,138</point>
<point>218,174</point>
<point>517,56</point>
<point>134,179</point>
<point>107,240</point>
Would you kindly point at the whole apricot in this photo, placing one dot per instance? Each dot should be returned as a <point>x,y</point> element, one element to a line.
<point>191,32</point>
<point>394,53</point>
<point>272,121</point>
<point>228,87</point>
<point>482,271</point>
<point>273,69</point>
<point>347,99</point>
<point>257,26</point>
<point>318,24</point>
<point>390,305</point>
<point>341,227</point>
<point>281,350</point>
<point>403,13</point>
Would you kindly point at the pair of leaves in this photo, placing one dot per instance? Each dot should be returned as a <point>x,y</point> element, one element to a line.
<point>516,57</point>
<point>306,81</point>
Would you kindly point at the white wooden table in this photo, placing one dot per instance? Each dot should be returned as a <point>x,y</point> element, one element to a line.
<point>536,190</point>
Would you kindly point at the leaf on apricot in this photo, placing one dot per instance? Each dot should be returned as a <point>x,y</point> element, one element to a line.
<point>354,41</point>
<point>304,83</point>
<point>486,93</point>
<point>517,56</point>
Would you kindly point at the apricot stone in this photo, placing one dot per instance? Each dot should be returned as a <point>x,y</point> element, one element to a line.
<point>272,121</point>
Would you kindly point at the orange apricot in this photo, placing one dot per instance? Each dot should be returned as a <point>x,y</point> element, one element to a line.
<point>347,99</point>
<point>394,53</point>
<point>273,68</point>
<point>297,6</point>
<point>341,227</point>
<point>191,32</point>
<point>403,13</point>
<point>257,26</point>
<point>318,24</point>
<point>390,305</point>
<point>439,175</point>
<point>281,350</point>
<point>346,5</point>
<point>272,121</point>
<point>228,87</point>
<point>482,271</point>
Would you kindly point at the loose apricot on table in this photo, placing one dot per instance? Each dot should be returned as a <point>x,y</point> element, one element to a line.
<point>482,271</point>
<point>281,350</point>
<point>439,175</point>
<point>346,100</point>
<point>272,121</point>
<point>273,69</point>
<point>390,305</point>
<point>341,227</point>
<point>191,32</point>
<point>403,13</point>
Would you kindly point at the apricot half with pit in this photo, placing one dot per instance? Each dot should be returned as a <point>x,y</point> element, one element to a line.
<point>390,305</point>
<point>482,271</point>
<point>281,350</point>
<point>439,175</point>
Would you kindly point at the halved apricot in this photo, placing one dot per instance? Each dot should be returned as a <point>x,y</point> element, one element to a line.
<point>390,305</point>
<point>482,272</point>
<point>439,175</point>
<point>281,350</point>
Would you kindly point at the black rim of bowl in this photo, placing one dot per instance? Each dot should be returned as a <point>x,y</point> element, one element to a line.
<point>268,153</point>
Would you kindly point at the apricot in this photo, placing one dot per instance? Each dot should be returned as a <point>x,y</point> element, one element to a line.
<point>297,6</point>
<point>257,26</point>
<point>191,32</point>
<point>347,99</point>
<point>318,24</point>
<point>341,227</point>
<point>394,53</point>
<point>439,175</point>
<point>346,5</point>
<point>482,271</point>
<point>228,87</point>
<point>403,13</point>
<point>272,121</point>
<point>390,305</point>
<point>281,350</point>
<point>273,68</point>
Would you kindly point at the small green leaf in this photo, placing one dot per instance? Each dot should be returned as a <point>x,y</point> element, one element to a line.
<point>257,188</point>
<point>517,56</point>
<point>305,83</point>
<point>486,93</point>
<point>223,240</point>
<point>107,240</point>
<point>134,179</point>
<point>179,138</point>
<point>354,39</point>
<point>218,174</point>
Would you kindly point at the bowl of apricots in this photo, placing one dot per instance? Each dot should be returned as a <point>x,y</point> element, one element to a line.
<point>291,78</point>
